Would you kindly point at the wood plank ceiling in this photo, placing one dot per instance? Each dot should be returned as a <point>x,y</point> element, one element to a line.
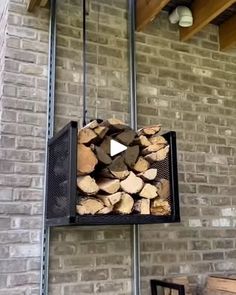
<point>219,12</point>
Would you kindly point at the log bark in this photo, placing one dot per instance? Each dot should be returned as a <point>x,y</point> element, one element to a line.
<point>149,175</point>
<point>142,141</point>
<point>131,155</point>
<point>92,125</point>
<point>89,206</point>
<point>105,210</point>
<point>141,165</point>
<point>132,184</point>
<point>150,130</point>
<point>109,186</point>
<point>126,137</point>
<point>114,124</point>
<point>158,156</point>
<point>158,140</point>
<point>102,156</point>
<point>152,148</point>
<point>86,160</point>
<point>101,131</point>
<point>87,185</point>
<point>105,145</point>
<point>125,205</point>
<point>110,200</point>
<point>118,168</point>
<point>160,207</point>
<point>86,135</point>
<point>149,191</point>
<point>163,188</point>
<point>142,206</point>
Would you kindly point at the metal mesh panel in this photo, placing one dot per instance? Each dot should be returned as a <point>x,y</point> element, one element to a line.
<point>58,177</point>
<point>163,171</point>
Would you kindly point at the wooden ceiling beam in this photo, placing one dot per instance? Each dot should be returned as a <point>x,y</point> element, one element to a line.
<point>227,34</point>
<point>147,10</point>
<point>203,13</point>
<point>33,3</point>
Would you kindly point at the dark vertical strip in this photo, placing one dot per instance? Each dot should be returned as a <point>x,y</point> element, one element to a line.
<point>133,125</point>
<point>49,134</point>
<point>84,65</point>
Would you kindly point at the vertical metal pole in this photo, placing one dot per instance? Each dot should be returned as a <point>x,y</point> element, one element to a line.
<point>84,64</point>
<point>49,134</point>
<point>133,124</point>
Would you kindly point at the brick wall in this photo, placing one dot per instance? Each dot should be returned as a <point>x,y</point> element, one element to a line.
<point>23,104</point>
<point>188,87</point>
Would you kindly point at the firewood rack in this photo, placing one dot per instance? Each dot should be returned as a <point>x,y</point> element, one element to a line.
<point>69,217</point>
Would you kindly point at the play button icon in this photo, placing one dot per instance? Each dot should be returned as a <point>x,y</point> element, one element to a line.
<point>116,147</point>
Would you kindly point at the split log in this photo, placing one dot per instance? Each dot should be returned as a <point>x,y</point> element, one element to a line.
<point>114,124</point>
<point>132,184</point>
<point>149,175</point>
<point>160,207</point>
<point>87,185</point>
<point>86,160</point>
<point>158,140</point>
<point>126,137</point>
<point>149,191</point>
<point>101,131</point>
<point>150,130</point>
<point>118,168</point>
<point>86,135</point>
<point>125,205</point>
<point>131,155</point>
<point>110,200</point>
<point>142,140</point>
<point>102,156</point>
<point>142,206</point>
<point>106,173</point>
<point>163,188</point>
<point>141,165</point>
<point>152,148</point>
<point>109,186</point>
<point>159,155</point>
<point>92,125</point>
<point>105,210</point>
<point>89,206</point>
<point>105,145</point>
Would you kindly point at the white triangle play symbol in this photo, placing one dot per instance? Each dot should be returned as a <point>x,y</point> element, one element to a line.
<point>116,148</point>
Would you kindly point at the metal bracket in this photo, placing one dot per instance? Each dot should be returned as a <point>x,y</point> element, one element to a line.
<point>49,134</point>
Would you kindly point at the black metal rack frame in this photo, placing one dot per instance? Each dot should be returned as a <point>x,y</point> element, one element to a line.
<point>164,284</point>
<point>61,199</point>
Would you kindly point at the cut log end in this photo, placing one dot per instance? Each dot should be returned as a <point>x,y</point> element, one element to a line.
<point>160,207</point>
<point>109,186</point>
<point>149,191</point>
<point>125,204</point>
<point>132,184</point>
<point>86,160</point>
<point>87,185</point>
<point>142,206</point>
<point>141,165</point>
<point>86,135</point>
<point>149,175</point>
<point>110,200</point>
<point>89,206</point>
<point>118,168</point>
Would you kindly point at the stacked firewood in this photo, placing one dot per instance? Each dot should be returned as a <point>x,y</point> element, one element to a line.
<point>126,183</point>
